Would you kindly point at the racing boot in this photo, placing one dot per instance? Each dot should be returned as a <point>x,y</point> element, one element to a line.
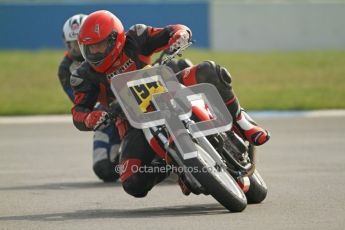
<point>244,124</point>
<point>250,130</point>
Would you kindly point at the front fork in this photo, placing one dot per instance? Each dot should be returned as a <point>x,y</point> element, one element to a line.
<point>175,158</point>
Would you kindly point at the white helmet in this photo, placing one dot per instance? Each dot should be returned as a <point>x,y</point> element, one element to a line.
<point>70,32</point>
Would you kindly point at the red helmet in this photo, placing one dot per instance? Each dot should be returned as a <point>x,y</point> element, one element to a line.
<point>101,39</point>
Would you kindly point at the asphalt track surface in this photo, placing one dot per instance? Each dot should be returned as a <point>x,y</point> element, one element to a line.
<point>46,182</point>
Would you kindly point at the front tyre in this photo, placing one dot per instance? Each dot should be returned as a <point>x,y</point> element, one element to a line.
<point>217,181</point>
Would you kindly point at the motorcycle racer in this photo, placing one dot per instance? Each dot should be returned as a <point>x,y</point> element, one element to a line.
<point>72,55</point>
<point>109,50</point>
<point>105,142</point>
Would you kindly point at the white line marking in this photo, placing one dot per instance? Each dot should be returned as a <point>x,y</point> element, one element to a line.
<point>51,119</point>
<point>290,114</point>
<point>44,119</point>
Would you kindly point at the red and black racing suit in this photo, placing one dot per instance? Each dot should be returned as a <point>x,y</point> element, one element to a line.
<point>90,86</point>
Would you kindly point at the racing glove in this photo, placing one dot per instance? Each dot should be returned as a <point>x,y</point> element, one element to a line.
<point>97,120</point>
<point>179,39</point>
<point>121,122</point>
<point>122,126</point>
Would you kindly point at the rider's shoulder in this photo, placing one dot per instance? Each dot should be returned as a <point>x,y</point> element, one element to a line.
<point>82,73</point>
<point>137,30</point>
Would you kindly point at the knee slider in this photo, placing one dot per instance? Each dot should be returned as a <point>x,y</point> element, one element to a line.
<point>225,76</point>
<point>105,170</point>
<point>134,187</point>
<point>210,72</point>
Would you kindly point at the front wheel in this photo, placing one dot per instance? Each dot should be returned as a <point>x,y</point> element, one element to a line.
<point>217,181</point>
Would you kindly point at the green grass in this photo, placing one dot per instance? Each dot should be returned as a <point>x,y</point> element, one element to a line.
<point>275,81</point>
<point>289,80</point>
<point>29,83</point>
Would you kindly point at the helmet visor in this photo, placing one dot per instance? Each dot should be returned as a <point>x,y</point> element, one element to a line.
<point>96,53</point>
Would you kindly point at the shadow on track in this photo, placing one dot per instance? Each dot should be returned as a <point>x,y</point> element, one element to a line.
<point>80,185</point>
<point>172,211</point>
<point>63,186</point>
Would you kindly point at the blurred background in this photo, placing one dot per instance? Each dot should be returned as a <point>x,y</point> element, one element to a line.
<point>282,54</point>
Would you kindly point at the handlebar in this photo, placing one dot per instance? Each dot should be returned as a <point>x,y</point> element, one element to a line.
<point>178,52</point>
<point>164,60</point>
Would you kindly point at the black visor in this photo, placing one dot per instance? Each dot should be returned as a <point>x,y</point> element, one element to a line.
<point>98,57</point>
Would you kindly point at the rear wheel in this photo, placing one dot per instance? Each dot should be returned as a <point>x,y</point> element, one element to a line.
<point>258,189</point>
<point>217,181</point>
